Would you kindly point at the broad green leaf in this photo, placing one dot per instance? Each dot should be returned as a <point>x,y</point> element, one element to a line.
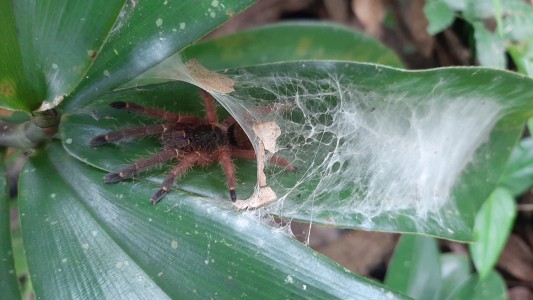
<point>522,54</point>
<point>145,33</point>
<point>518,175</point>
<point>492,287</point>
<point>455,270</point>
<point>58,41</point>
<point>477,10</point>
<point>458,5</point>
<point>439,15</point>
<point>519,27</point>
<point>513,7</point>
<point>8,277</point>
<point>515,20</point>
<point>493,225</point>
<point>85,239</point>
<point>14,87</point>
<point>293,41</point>
<point>51,48</point>
<point>415,268</point>
<point>371,152</point>
<point>490,48</point>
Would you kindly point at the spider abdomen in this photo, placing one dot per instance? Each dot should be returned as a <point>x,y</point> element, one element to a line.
<point>205,137</point>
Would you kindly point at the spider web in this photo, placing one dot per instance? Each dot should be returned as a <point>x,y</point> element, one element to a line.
<point>361,153</point>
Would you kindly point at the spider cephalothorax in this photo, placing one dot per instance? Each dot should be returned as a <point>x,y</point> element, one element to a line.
<point>187,138</point>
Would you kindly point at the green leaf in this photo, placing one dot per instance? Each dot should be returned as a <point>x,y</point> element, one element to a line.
<point>522,54</point>
<point>382,157</point>
<point>293,41</point>
<point>515,23</point>
<point>57,41</point>
<point>8,277</point>
<point>86,239</point>
<point>14,87</point>
<point>490,48</point>
<point>478,10</point>
<point>144,34</point>
<point>493,225</point>
<point>458,5</point>
<point>493,287</point>
<point>455,270</point>
<point>439,15</point>
<point>519,27</point>
<point>518,175</point>
<point>415,268</point>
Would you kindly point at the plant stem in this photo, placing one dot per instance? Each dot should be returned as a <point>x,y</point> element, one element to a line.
<point>42,126</point>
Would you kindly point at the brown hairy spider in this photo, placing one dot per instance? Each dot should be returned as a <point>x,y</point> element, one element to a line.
<point>190,139</point>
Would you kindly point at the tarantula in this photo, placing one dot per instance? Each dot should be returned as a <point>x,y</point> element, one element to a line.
<point>190,139</point>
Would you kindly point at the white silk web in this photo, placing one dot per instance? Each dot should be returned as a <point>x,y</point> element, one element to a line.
<point>367,152</point>
<point>369,148</point>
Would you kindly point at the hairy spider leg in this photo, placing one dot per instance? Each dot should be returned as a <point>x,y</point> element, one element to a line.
<point>224,156</point>
<point>155,113</point>
<point>114,136</point>
<point>186,162</point>
<point>141,165</point>
<point>250,155</point>
<point>224,153</point>
<point>210,108</point>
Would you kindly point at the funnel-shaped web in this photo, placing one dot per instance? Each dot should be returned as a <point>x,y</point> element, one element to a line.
<point>373,152</point>
<point>365,147</point>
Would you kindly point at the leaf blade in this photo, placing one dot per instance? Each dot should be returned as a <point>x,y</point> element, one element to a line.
<point>145,33</point>
<point>439,15</point>
<point>415,268</point>
<point>492,286</point>
<point>455,272</point>
<point>294,41</point>
<point>492,228</point>
<point>518,175</point>
<point>185,246</point>
<point>58,41</point>
<point>8,278</point>
<point>14,93</point>
<point>362,104</point>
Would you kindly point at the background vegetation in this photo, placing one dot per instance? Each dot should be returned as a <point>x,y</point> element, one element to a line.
<point>64,234</point>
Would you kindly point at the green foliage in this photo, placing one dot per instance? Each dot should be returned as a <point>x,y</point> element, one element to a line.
<point>8,278</point>
<point>494,223</point>
<point>414,256</point>
<point>83,238</point>
<point>419,270</point>
<point>78,129</point>
<point>439,14</point>
<point>513,32</point>
<point>185,247</point>
<point>518,175</point>
<point>294,41</point>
